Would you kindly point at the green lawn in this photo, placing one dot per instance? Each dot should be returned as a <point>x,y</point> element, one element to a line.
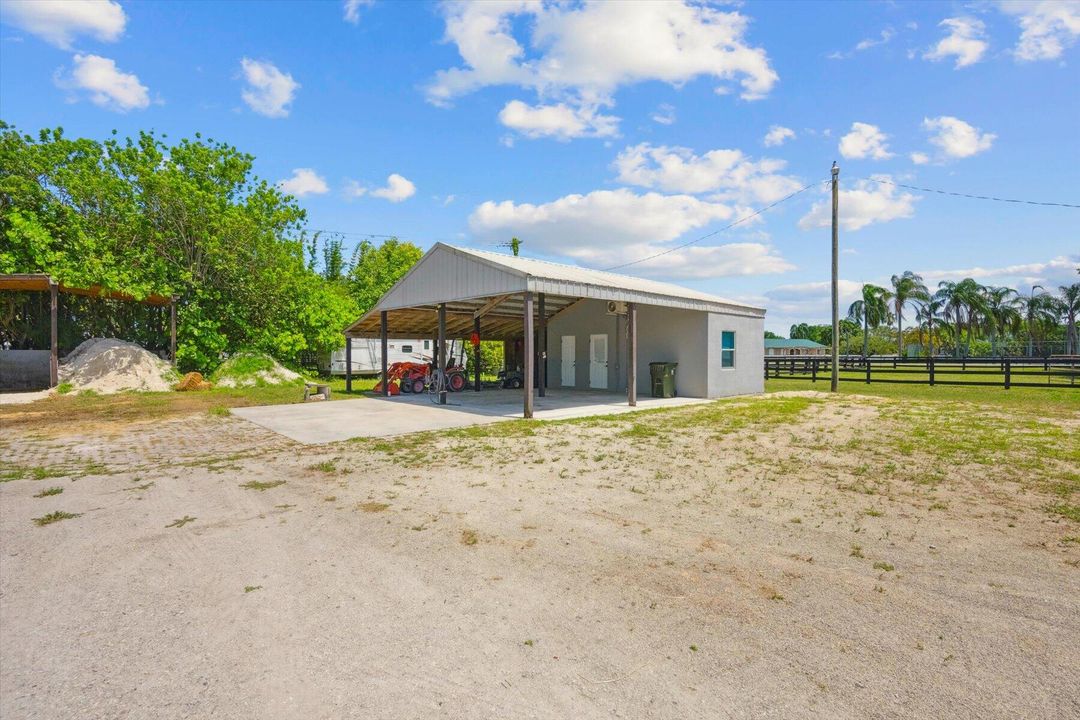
<point>1056,400</point>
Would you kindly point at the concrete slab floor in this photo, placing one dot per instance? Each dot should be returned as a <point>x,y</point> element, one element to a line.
<point>375,416</point>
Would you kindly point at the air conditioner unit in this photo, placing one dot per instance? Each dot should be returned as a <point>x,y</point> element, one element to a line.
<point>616,308</point>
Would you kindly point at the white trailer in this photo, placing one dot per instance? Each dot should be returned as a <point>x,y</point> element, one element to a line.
<point>367,354</point>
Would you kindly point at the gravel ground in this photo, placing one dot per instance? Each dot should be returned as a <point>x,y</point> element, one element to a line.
<point>556,571</point>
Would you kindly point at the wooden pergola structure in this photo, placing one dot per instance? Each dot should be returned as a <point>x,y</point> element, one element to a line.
<point>37,282</point>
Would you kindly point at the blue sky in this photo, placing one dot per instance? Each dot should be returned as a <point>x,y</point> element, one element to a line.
<point>601,134</point>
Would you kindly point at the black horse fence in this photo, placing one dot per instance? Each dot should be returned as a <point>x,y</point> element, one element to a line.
<point>1006,372</point>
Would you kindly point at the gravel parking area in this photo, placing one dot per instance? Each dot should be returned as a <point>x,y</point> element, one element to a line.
<point>771,557</point>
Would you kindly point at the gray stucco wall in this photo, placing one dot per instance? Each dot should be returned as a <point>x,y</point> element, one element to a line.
<point>688,337</point>
<point>748,375</point>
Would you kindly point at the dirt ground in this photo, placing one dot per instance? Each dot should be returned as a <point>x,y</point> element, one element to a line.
<point>779,557</point>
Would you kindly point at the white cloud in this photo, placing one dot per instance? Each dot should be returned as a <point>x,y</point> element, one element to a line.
<point>919,158</point>
<point>107,85</point>
<point>865,141</point>
<point>664,115</point>
<point>868,203</point>
<point>397,189</point>
<point>886,35</point>
<point>964,41</point>
<point>1046,27</point>
<point>956,138</point>
<point>60,22</point>
<point>269,91</point>
<point>580,54</point>
<point>354,190</point>
<point>808,302</point>
<point>304,181</point>
<point>609,227</point>
<point>777,135</point>
<point>351,9</point>
<point>883,38</point>
<point>560,121</point>
<point>1060,270</point>
<point>729,173</point>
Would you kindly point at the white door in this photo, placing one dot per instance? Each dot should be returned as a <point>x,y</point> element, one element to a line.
<point>598,362</point>
<point>569,351</point>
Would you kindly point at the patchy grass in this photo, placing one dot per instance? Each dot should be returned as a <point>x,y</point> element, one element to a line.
<point>326,466</point>
<point>1039,402</point>
<point>220,411</point>
<point>55,517</point>
<point>47,492</point>
<point>373,507</point>
<point>252,588</point>
<point>260,486</point>
<point>1065,510</point>
<point>82,411</point>
<point>882,565</point>
<point>64,388</point>
<point>181,522</point>
<point>469,537</point>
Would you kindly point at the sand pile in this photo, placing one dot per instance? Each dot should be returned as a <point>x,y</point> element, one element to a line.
<point>107,365</point>
<point>249,368</point>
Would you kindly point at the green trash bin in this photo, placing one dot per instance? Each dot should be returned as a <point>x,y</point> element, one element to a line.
<point>663,379</point>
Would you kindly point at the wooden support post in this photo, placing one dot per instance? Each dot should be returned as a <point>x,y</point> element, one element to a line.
<point>541,374</point>
<point>867,371</point>
<point>476,355</point>
<point>631,343</point>
<point>813,370</point>
<point>172,331</point>
<point>348,365</point>
<point>527,359</point>
<point>1008,374</point>
<point>384,337</point>
<point>54,336</point>
<point>442,353</point>
<point>930,362</point>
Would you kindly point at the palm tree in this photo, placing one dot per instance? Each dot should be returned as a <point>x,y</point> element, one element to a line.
<point>906,287</point>
<point>1070,300</point>
<point>928,311</point>
<point>872,311</point>
<point>952,301</point>
<point>1001,312</point>
<point>1038,310</point>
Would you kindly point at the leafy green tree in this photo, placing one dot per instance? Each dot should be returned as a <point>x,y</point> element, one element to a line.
<point>188,219</point>
<point>906,287</point>
<point>375,268</point>
<point>1001,313</point>
<point>1070,308</point>
<point>872,311</point>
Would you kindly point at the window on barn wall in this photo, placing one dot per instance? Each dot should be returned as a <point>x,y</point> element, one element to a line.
<point>727,349</point>
<point>427,344</point>
<point>406,348</point>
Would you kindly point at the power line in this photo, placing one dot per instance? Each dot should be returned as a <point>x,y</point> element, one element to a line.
<point>970,196</point>
<point>717,232</point>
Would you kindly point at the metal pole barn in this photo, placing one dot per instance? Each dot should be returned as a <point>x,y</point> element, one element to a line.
<point>384,337</point>
<point>528,360</point>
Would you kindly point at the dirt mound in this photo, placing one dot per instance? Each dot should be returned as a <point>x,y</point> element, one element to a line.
<point>108,365</point>
<point>249,368</point>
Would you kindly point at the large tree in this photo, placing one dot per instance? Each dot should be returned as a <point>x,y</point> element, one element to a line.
<point>1070,304</point>
<point>188,219</point>
<point>375,269</point>
<point>906,287</point>
<point>871,311</point>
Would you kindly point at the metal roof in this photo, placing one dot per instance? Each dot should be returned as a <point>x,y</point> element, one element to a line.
<point>796,343</point>
<point>468,281</point>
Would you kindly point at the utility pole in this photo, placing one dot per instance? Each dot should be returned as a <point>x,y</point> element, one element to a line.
<point>835,380</point>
